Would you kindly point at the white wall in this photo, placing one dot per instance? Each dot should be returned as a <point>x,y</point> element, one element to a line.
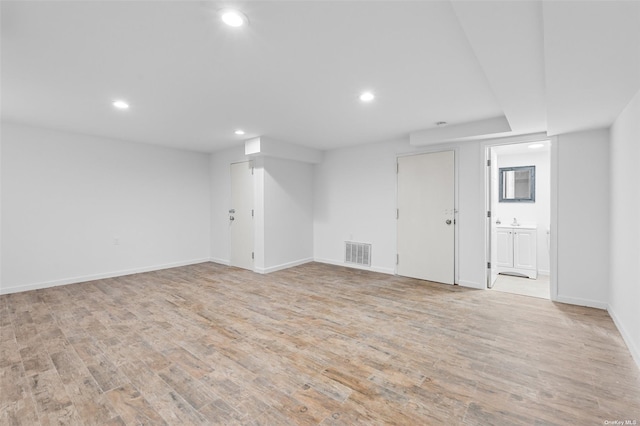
<point>538,212</point>
<point>288,213</point>
<point>624,289</point>
<point>355,195</point>
<point>355,200</point>
<point>66,198</point>
<point>471,215</point>
<point>583,218</point>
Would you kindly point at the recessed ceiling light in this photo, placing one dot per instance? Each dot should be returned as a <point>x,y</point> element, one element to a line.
<point>120,104</point>
<point>367,97</point>
<point>536,145</point>
<point>239,132</point>
<point>233,18</point>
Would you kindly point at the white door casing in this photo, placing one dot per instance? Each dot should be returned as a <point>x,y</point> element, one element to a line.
<point>426,216</point>
<point>493,202</point>
<point>241,215</point>
<point>553,224</point>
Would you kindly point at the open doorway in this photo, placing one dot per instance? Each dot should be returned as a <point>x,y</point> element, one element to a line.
<point>519,219</point>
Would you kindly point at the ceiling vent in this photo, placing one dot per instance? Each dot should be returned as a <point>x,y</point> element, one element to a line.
<point>358,253</point>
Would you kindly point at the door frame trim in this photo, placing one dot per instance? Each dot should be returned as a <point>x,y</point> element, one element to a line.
<point>553,220</point>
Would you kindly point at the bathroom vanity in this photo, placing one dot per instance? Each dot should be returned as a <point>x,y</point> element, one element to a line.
<point>517,250</point>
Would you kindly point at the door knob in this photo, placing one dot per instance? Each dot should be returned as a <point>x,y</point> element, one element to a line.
<point>232,218</point>
<point>448,221</point>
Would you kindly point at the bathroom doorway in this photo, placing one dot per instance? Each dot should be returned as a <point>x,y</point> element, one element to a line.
<point>519,218</point>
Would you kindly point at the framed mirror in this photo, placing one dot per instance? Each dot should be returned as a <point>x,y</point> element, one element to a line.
<point>517,184</point>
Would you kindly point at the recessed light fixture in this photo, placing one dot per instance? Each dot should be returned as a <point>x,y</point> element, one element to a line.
<point>536,145</point>
<point>239,132</point>
<point>233,18</point>
<point>367,97</point>
<point>120,104</point>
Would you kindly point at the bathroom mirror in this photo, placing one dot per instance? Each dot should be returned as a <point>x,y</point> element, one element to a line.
<point>517,184</point>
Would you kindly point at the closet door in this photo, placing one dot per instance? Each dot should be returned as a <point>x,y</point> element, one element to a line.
<point>426,227</point>
<point>241,215</point>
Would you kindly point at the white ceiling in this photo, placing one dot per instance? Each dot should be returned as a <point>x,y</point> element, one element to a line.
<point>295,72</point>
<point>592,61</point>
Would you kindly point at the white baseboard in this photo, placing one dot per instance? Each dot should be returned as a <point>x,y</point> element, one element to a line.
<point>387,271</point>
<point>85,278</point>
<point>626,336</point>
<point>283,266</point>
<point>543,272</point>
<point>225,262</point>
<point>581,302</point>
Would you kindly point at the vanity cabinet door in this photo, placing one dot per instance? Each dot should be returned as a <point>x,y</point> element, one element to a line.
<point>524,249</point>
<point>504,256</point>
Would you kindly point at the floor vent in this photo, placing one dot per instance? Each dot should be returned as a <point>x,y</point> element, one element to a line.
<point>358,253</point>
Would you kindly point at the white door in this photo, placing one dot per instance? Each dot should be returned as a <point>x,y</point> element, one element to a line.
<point>241,215</point>
<point>426,210</point>
<point>493,194</point>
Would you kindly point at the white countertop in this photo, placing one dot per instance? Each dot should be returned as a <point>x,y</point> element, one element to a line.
<point>520,226</point>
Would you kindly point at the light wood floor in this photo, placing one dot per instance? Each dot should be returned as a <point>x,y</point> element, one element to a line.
<point>315,344</point>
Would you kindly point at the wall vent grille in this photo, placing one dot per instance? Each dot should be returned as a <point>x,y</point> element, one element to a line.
<point>358,253</point>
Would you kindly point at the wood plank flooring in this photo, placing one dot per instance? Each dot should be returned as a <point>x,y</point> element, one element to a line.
<point>315,344</point>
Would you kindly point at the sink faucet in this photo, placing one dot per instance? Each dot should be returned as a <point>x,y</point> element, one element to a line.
<point>515,222</point>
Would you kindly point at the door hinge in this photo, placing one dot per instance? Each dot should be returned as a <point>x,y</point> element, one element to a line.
<point>252,170</point>
<point>397,259</point>
<point>488,163</point>
<point>488,213</point>
<point>251,212</point>
<point>252,256</point>
<point>397,168</point>
<point>397,213</point>
<point>488,265</point>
